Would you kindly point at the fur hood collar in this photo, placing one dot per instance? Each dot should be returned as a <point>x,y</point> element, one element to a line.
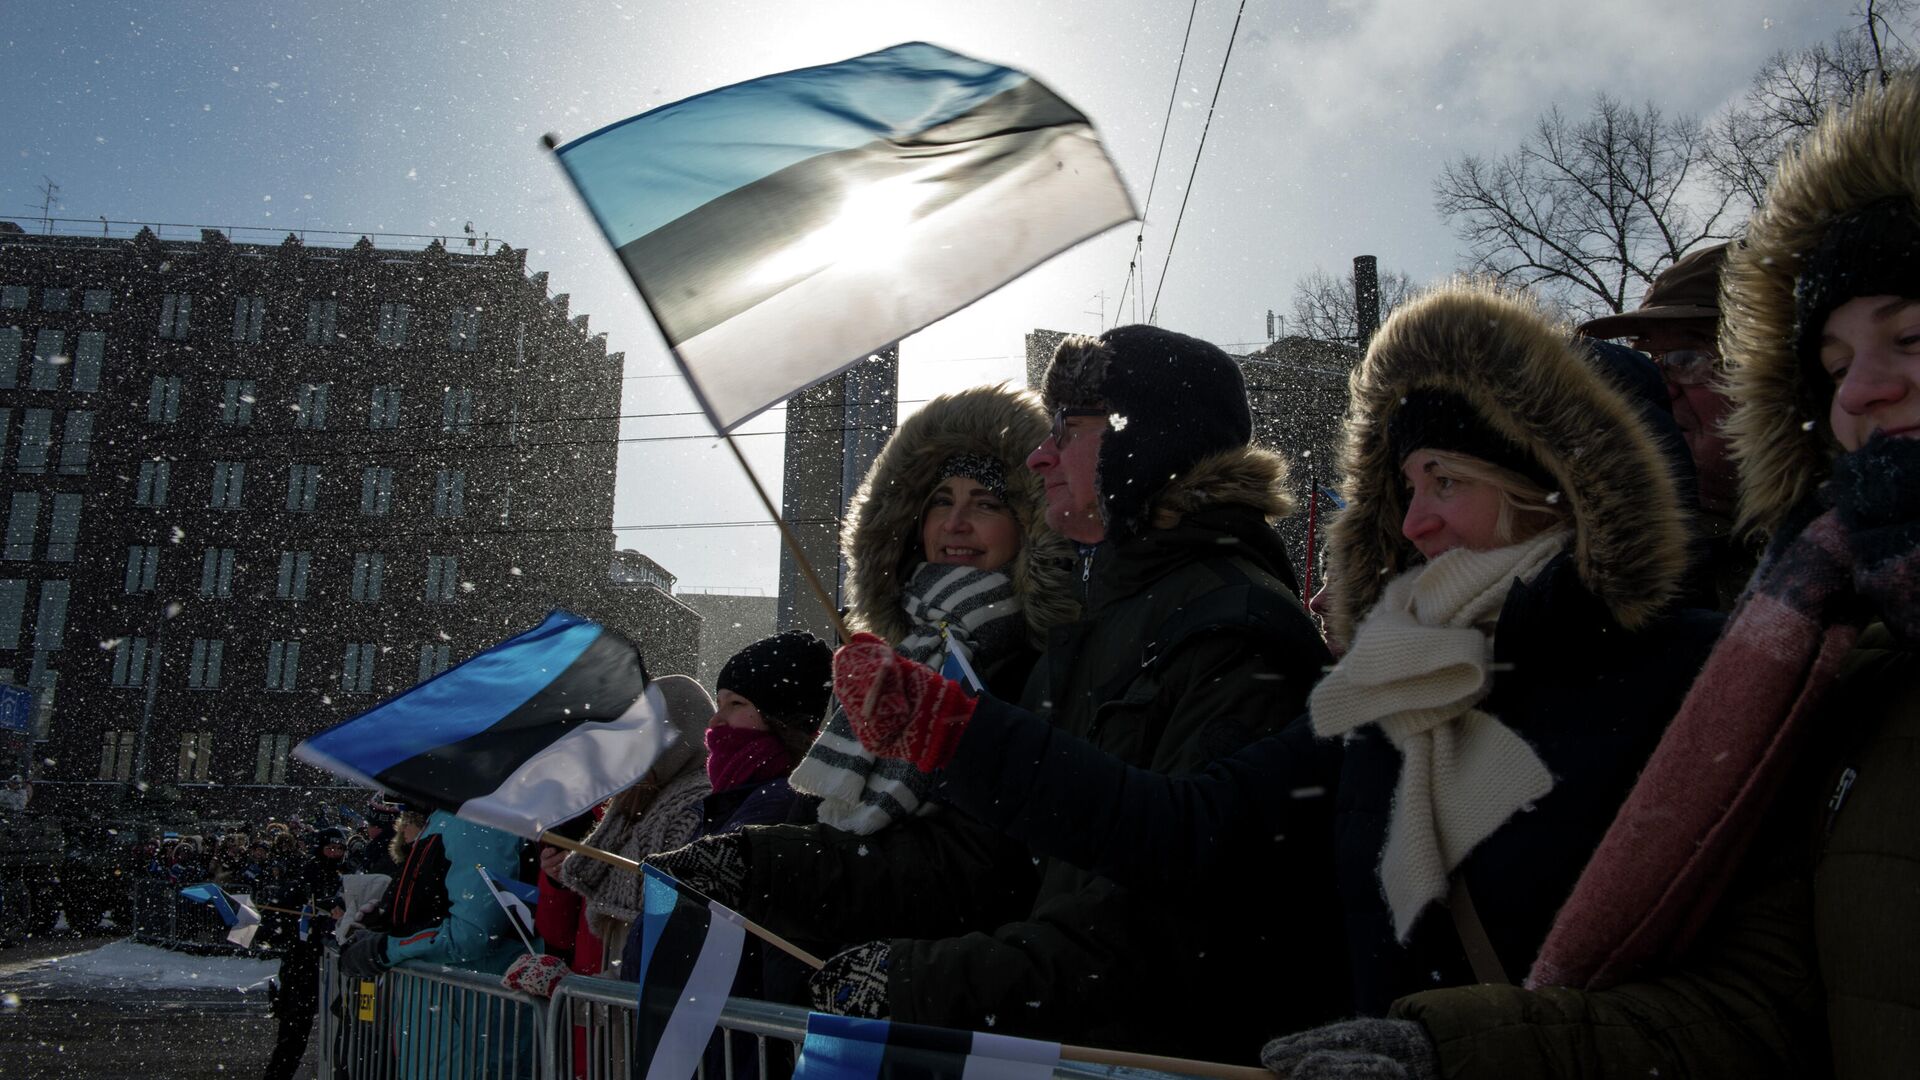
<point>881,538</point>
<point>1531,383</point>
<point>1778,429</point>
<point>1243,476</point>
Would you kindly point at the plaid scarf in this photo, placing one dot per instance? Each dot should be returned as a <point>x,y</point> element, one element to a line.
<point>1679,837</point>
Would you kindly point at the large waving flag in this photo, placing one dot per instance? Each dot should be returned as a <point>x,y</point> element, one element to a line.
<point>690,951</point>
<point>530,733</point>
<point>844,1048</point>
<point>236,911</point>
<point>784,229</point>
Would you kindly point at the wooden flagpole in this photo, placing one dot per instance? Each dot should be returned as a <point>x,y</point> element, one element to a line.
<point>792,542</point>
<point>633,867</point>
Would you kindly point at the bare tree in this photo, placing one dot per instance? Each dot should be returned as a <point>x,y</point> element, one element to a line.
<point>1586,211</point>
<point>1793,89</point>
<point>1323,305</point>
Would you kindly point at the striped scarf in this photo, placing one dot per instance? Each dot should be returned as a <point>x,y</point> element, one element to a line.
<point>952,609</point>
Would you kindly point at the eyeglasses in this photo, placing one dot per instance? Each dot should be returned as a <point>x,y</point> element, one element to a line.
<point>1061,432</point>
<point>1687,367</point>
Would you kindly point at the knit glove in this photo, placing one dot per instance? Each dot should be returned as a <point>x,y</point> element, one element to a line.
<point>365,956</point>
<point>898,708</point>
<point>1363,1049</point>
<point>536,974</point>
<point>853,983</point>
<point>714,866</point>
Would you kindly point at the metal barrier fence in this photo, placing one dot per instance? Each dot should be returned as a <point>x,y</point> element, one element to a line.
<point>448,1024</point>
<point>428,1023</point>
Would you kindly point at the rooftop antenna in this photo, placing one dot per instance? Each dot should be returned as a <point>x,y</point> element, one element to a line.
<point>1102,297</point>
<point>468,229</point>
<point>48,191</point>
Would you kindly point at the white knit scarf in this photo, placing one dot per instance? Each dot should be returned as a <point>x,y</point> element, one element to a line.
<point>1418,668</point>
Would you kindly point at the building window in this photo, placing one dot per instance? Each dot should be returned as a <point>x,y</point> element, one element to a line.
<point>434,659</point>
<point>310,410</point>
<point>463,331</point>
<point>236,402</point>
<point>229,479</point>
<point>87,360</point>
<point>10,340</point>
<point>63,538</point>
<point>303,487</point>
<point>50,622</point>
<point>36,440</point>
<point>368,569</point>
<point>116,756</point>
<point>203,664</point>
<point>270,762</point>
<point>293,574</point>
<point>196,756</point>
<point>76,442</point>
<point>383,413</point>
<point>163,399</point>
<point>176,310</point>
<point>143,566</point>
<point>96,301</point>
<point>216,573</point>
<point>13,612</point>
<point>320,319</point>
<point>393,324</point>
<point>151,488</point>
<point>376,490</point>
<point>249,314</point>
<point>55,299</point>
<point>456,409</point>
<point>23,523</point>
<point>130,662</point>
<point>283,665</point>
<point>450,493</point>
<point>13,296</point>
<point>356,671</point>
<point>443,578</point>
<point>49,356</point>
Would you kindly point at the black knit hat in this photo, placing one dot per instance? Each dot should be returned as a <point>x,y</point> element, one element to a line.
<point>788,677</point>
<point>1874,251</point>
<point>1172,400</point>
<point>1440,420</point>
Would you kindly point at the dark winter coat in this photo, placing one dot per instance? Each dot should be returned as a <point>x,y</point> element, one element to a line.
<point>1589,698</point>
<point>976,941</point>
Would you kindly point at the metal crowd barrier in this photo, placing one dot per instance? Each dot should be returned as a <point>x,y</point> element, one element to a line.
<point>427,1022</point>
<point>447,1024</point>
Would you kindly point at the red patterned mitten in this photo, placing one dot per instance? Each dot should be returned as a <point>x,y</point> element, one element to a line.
<point>898,708</point>
<point>535,974</point>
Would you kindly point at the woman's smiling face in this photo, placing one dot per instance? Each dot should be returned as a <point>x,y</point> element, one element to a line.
<point>966,524</point>
<point>1870,348</point>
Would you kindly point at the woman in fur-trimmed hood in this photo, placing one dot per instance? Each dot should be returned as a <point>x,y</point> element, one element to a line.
<point>927,545</point>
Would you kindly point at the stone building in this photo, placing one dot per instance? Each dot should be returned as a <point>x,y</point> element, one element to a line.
<point>255,488</point>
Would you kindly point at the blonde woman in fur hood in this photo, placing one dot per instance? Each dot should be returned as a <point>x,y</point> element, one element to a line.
<point>950,561</point>
<point>1500,579</point>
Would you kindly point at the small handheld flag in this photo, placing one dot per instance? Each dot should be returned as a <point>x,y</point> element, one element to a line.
<point>845,1048</point>
<point>956,665</point>
<point>530,733</point>
<point>690,951</point>
<point>860,200</point>
<point>236,912</point>
<point>517,899</point>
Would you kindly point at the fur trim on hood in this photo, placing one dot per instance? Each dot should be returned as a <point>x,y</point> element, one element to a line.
<point>1778,429</point>
<point>1529,381</point>
<point>1243,476</point>
<point>881,538</point>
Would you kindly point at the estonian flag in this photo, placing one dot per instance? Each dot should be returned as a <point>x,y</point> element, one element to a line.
<point>690,951</point>
<point>845,1048</point>
<point>837,209</point>
<point>522,737</point>
<point>236,911</point>
<point>516,898</point>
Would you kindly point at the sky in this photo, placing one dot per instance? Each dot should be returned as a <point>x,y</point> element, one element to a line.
<point>1333,120</point>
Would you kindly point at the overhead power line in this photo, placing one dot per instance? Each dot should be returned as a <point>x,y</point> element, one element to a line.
<point>1188,194</point>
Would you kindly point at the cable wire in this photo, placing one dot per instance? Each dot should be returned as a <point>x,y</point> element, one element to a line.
<point>1154,311</point>
<point>1153,178</point>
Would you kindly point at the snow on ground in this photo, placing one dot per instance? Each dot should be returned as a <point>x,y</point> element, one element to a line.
<point>126,965</point>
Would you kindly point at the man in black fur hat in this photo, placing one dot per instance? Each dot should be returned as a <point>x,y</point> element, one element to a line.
<point>1193,642</point>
